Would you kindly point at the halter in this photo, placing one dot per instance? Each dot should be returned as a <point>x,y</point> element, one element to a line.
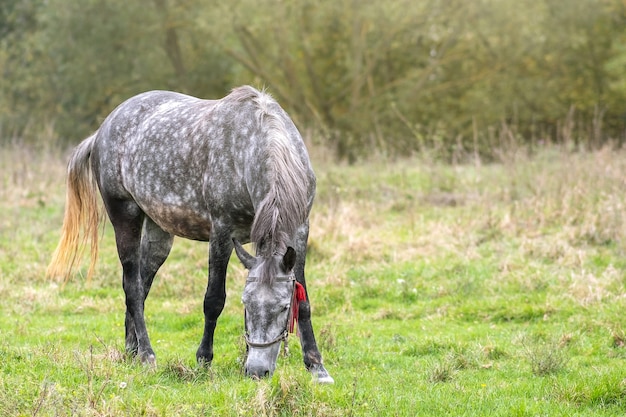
<point>282,337</point>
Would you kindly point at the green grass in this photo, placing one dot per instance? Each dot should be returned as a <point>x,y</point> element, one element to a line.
<point>437,290</point>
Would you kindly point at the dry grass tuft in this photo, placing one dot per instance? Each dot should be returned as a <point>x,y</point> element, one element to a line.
<point>588,288</point>
<point>546,357</point>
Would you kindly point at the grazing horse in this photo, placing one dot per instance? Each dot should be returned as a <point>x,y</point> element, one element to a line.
<point>225,171</point>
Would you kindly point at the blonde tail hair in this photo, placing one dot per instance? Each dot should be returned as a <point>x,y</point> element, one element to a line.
<point>82,212</point>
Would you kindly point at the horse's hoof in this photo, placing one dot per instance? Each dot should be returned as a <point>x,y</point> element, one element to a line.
<point>149,360</point>
<point>321,375</point>
<point>204,363</point>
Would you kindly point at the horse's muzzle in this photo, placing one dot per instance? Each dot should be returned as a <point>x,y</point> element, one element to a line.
<point>261,363</point>
<point>258,371</point>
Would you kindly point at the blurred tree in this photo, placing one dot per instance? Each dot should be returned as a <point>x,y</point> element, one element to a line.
<point>88,56</point>
<point>18,52</point>
<point>340,64</point>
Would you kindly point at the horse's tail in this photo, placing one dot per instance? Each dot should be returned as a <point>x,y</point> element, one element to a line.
<point>82,211</point>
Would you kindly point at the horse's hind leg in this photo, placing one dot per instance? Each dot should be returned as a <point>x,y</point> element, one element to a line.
<point>127,220</point>
<point>310,352</point>
<point>154,249</point>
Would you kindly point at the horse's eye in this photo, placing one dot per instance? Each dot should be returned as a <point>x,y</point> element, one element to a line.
<point>286,307</point>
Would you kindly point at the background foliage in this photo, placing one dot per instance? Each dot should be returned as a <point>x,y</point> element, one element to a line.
<point>395,76</point>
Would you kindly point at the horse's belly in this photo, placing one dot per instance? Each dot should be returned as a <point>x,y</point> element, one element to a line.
<point>184,221</point>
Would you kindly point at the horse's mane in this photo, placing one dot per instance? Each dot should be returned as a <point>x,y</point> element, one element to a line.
<point>286,205</point>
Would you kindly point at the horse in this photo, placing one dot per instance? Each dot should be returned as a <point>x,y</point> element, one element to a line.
<point>227,172</point>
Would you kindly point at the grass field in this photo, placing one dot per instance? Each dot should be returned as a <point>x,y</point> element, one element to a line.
<point>467,290</point>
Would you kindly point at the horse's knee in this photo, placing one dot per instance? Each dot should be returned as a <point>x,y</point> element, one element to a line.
<point>214,305</point>
<point>304,311</point>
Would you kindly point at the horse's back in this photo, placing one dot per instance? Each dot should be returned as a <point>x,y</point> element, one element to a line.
<point>187,161</point>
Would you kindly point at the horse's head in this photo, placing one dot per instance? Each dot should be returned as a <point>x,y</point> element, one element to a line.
<point>268,303</point>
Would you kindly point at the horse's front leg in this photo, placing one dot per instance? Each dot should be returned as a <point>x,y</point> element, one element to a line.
<point>310,353</point>
<point>221,248</point>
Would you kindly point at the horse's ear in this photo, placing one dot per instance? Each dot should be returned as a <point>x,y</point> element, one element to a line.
<point>289,259</point>
<point>246,259</point>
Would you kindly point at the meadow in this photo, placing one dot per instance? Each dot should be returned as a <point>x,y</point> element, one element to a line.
<point>437,289</point>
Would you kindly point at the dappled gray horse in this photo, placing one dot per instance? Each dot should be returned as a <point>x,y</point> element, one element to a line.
<point>225,171</point>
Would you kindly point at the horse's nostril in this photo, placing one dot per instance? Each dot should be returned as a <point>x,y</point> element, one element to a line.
<point>257,372</point>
